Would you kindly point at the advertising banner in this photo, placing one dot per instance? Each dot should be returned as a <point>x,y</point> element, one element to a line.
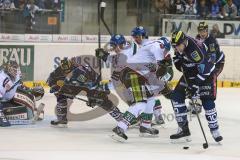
<point>221,29</point>
<point>23,55</point>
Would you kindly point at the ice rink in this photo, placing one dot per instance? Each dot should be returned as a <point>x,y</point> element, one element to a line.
<point>90,139</point>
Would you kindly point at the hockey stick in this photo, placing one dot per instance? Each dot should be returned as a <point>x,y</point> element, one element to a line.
<point>75,97</point>
<point>99,37</point>
<point>205,145</point>
<point>102,7</point>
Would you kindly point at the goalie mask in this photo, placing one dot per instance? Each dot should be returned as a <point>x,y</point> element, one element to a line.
<point>12,68</point>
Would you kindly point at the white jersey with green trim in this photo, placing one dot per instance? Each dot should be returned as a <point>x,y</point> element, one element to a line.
<point>145,63</point>
<point>120,61</point>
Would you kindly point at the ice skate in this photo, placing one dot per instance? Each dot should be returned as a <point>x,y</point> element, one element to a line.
<point>183,133</point>
<point>216,136</point>
<point>159,120</point>
<point>59,123</point>
<point>148,132</point>
<point>119,134</point>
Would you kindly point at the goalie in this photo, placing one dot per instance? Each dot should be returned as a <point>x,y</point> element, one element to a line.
<point>17,102</point>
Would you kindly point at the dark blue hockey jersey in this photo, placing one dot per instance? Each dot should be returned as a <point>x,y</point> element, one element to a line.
<point>213,49</point>
<point>196,64</point>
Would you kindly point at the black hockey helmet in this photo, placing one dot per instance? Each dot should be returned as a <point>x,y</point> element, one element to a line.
<point>66,65</point>
<point>202,26</point>
<point>178,37</point>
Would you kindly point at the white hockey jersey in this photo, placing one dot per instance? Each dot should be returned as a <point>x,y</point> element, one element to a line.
<point>119,62</point>
<point>145,63</point>
<point>8,87</point>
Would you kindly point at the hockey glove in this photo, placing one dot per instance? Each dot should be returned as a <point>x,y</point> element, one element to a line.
<point>101,54</point>
<point>178,61</point>
<point>167,91</point>
<point>54,89</point>
<point>192,91</point>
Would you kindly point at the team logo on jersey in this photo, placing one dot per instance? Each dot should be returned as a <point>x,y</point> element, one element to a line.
<point>7,84</point>
<point>195,56</point>
<point>81,78</point>
<point>212,47</point>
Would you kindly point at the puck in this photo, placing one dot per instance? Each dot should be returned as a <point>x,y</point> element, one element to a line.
<point>185,147</point>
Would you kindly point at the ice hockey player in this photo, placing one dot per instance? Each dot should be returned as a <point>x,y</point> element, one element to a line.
<point>192,60</point>
<point>213,50</point>
<point>140,36</point>
<point>139,88</point>
<point>68,80</point>
<point>17,102</point>
<point>123,50</point>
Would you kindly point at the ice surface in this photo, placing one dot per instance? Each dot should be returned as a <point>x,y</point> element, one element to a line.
<point>90,139</point>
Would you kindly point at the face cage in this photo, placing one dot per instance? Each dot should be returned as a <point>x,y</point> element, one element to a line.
<point>12,70</point>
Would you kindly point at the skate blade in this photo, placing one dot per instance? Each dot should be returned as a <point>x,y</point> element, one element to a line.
<point>117,138</point>
<point>219,143</point>
<point>147,135</point>
<point>60,126</point>
<point>181,140</point>
<point>163,125</point>
<point>134,127</point>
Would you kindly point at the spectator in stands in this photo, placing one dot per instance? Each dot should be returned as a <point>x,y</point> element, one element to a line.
<point>6,4</point>
<point>216,9</point>
<point>190,7</point>
<point>161,6</point>
<point>237,3</point>
<point>52,4</point>
<point>230,9</point>
<point>57,4</point>
<point>48,4</point>
<point>216,32</point>
<point>29,12</point>
<point>40,3</point>
<point>178,7</point>
<point>202,10</point>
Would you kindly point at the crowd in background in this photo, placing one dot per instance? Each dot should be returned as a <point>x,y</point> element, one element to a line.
<point>21,4</point>
<point>202,8</point>
<point>29,8</point>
